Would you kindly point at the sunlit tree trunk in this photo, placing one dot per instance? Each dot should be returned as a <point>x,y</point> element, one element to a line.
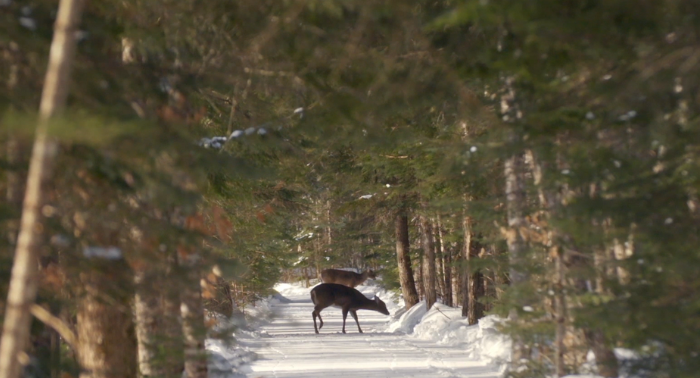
<point>445,265</point>
<point>23,284</point>
<point>106,340</point>
<point>456,273</point>
<point>192,313</point>
<point>146,313</point>
<point>172,352</point>
<point>408,285</point>
<point>515,202</point>
<point>464,276</point>
<point>439,261</point>
<point>561,311</point>
<point>429,276</point>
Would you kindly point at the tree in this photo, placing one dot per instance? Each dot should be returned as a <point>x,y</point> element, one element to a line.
<point>23,286</point>
<point>408,286</point>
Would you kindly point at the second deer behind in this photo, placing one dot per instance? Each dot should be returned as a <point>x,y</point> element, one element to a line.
<point>344,277</point>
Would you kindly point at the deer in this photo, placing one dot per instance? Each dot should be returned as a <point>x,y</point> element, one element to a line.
<point>348,299</point>
<point>344,277</point>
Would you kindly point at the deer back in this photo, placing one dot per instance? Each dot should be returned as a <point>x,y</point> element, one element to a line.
<point>344,277</point>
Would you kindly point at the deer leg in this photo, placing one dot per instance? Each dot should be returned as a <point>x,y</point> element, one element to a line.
<point>345,315</point>
<point>354,315</point>
<point>314,314</point>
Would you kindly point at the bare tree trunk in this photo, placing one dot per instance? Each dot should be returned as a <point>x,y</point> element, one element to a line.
<point>317,257</point>
<point>467,247</point>
<point>408,285</point>
<point>515,196</point>
<point>428,262</point>
<point>439,261</point>
<point>515,199</point>
<point>171,351</point>
<point>106,347</point>
<point>192,313</point>
<point>420,283</point>
<point>445,265</point>
<point>604,355</point>
<point>456,273</point>
<point>23,284</point>
<point>146,306</point>
<point>549,202</point>
<point>561,310</point>
<point>475,309</point>
<point>329,230</point>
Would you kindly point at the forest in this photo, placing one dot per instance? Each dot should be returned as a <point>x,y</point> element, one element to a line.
<point>166,162</point>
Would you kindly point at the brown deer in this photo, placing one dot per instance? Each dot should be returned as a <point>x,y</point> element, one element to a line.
<point>347,298</point>
<point>345,277</point>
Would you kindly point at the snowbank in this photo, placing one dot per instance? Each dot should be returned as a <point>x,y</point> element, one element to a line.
<point>227,359</point>
<point>445,326</point>
<point>407,319</point>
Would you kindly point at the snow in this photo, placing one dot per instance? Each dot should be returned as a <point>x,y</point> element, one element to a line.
<point>109,253</point>
<point>28,23</point>
<point>445,326</point>
<point>277,339</point>
<point>214,142</point>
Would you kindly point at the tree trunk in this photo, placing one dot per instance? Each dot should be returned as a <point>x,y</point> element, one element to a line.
<point>420,284</point>
<point>456,273</point>
<point>146,312</point>
<point>464,274</point>
<point>106,347</point>
<point>192,313</point>
<point>475,309</point>
<point>446,265</point>
<point>329,230</point>
<point>23,283</point>
<point>439,261</point>
<point>604,355</point>
<point>408,285</point>
<point>560,308</point>
<point>428,262</point>
<point>515,199</point>
<point>169,331</point>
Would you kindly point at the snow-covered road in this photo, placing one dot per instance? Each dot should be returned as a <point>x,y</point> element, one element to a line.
<point>290,348</point>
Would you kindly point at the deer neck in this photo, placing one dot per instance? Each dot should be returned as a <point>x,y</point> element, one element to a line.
<point>363,276</point>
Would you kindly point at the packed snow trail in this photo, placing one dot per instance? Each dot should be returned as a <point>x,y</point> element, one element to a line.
<point>289,348</point>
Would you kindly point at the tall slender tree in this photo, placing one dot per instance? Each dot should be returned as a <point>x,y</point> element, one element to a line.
<point>23,286</point>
